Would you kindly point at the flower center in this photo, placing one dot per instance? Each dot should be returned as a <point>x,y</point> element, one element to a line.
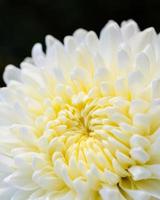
<point>95,133</point>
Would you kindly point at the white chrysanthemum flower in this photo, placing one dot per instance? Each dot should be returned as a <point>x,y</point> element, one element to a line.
<point>82,121</point>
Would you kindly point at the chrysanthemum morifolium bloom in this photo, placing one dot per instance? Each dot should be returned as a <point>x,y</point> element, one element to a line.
<point>82,120</point>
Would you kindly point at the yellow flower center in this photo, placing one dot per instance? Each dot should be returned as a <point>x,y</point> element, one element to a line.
<point>89,133</point>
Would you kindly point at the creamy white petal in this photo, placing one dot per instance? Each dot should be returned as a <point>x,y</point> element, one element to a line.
<point>11,73</point>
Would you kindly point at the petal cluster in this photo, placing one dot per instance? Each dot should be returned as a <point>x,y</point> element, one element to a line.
<point>81,121</point>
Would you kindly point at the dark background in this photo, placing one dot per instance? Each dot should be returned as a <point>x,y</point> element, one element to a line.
<point>23,23</point>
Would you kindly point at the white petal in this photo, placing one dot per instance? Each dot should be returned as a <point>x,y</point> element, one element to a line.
<point>138,106</point>
<point>138,154</point>
<point>49,40</point>
<point>123,61</point>
<point>156,89</point>
<point>142,39</point>
<point>140,173</point>
<point>92,42</point>
<point>6,164</point>
<point>151,187</point>
<point>79,35</point>
<point>142,63</point>
<point>38,55</point>
<point>19,195</point>
<point>70,44</point>
<point>6,193</point>
<point>139,141</point>
<point>110,39</point>
<point>111,193</point>
<point>129,29</point>
<point>21,181</point>
<point>136,80</point>
<point>11,73</point>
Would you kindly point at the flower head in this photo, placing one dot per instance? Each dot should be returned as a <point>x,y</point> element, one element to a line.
<point>82,120</point>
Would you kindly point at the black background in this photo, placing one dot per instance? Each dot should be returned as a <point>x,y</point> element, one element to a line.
<point>23,23</point>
